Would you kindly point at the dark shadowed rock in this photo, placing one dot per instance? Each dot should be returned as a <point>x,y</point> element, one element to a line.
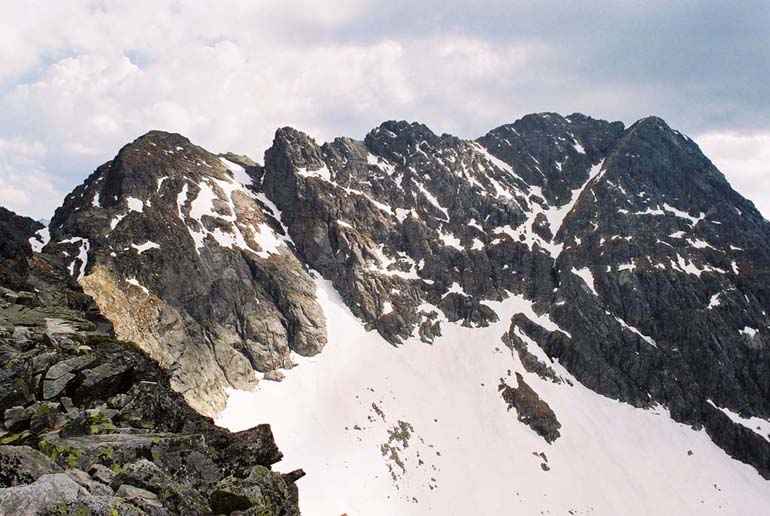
<point>530,409</point>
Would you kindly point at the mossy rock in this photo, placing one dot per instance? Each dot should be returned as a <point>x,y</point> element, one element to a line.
<point>175,495</point>
<point>262,493</point>
<point>23,465</point>
<point>23,437</point>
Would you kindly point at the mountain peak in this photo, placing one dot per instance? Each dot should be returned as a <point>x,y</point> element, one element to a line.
<point>409,132</point>
<point>162,139</point>
<point>566,250</point>
<point>654,129</point>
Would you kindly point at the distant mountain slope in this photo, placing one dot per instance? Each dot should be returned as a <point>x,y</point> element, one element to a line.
<point>423,430</point>
<point>652,267</point>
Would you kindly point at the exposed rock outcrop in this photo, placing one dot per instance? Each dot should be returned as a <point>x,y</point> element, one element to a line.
<point>646,272</point>
<point>530,408</point>
<point>112,413</point>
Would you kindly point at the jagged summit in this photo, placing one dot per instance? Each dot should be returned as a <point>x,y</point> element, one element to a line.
<point>409,132</point>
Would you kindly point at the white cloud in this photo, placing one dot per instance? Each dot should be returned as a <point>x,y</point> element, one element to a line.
<point>85,77</point>
<point>744,158</point>
<point>229,90</point>
<point>24,187</point>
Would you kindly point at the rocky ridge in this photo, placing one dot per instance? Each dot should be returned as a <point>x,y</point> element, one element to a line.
<point>644,272</point>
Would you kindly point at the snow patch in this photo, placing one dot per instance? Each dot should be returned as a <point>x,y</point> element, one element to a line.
<point>556,215</point>
<point>40,239</point>
<point>587,276</point>
<point>82,256</point>
<point>135,204</point>
<point>699,244</point>
<point>632,329</point>
<point>450,240</point>
<point>748,331</point>
<point>755,424</point>
<point>135,282</point>
<point>322,173</point>
<point>381,163</point>
<point>402,214</point>
<point>432,199</point>
<point>239,173</point>
<point>497,162</point>
<point>145,246</point>
<point>267,240</point>
<point>455,289</point>
<point>116,220</point>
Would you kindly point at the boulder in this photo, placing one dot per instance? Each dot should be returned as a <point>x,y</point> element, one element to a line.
<point>43,494</point>
<point>262,492</point>
<point>44,417</point>
<point>174,495</point>
<point>141,498</point>
<point>91,485</point>
<point>17,418</point>
<point>53,388</point>
<point>27,299</point>
<point>101,473</point>
<point>274,376</point>
<point>23,465</point>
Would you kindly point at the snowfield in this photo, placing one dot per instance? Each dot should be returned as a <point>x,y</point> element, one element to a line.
<point>422,429</point>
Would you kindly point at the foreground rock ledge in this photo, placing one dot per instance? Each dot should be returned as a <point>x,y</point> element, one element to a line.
<point>90,425</point>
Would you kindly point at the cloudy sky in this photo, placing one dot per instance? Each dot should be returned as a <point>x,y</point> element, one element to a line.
<point>78,79</point>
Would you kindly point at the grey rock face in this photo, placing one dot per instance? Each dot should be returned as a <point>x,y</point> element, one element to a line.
<point>189,261</point>
<point>260,492</point>
<point>43,494</point>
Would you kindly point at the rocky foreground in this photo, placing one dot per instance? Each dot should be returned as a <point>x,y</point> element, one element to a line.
<point>90,424</point>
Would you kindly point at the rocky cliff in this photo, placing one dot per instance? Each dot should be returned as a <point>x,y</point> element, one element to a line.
<point>190,263</point>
